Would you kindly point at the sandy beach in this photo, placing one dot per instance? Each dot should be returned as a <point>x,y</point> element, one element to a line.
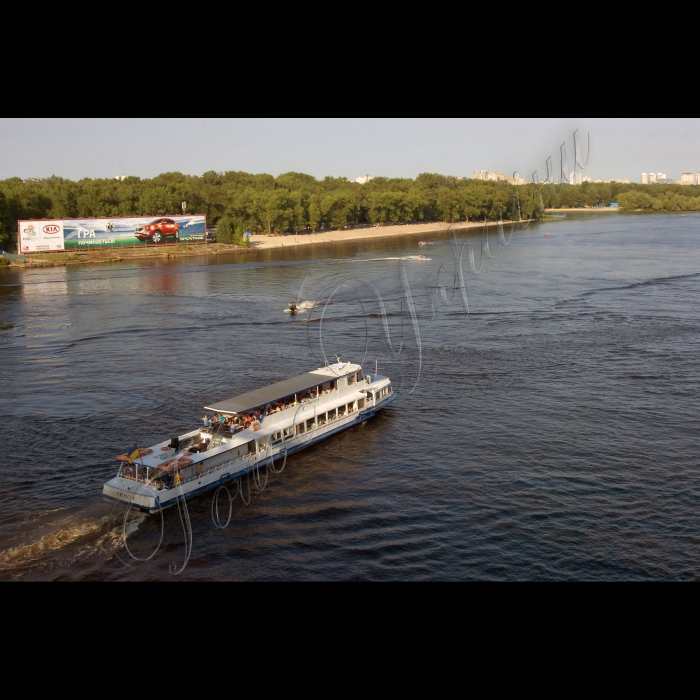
<point>265,242</point>
<point>585,211</point>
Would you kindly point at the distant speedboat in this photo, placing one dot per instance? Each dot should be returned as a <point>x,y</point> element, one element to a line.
<point>422,243</point>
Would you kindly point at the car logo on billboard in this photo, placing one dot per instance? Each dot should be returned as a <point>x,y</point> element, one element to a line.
<point>52,228</point>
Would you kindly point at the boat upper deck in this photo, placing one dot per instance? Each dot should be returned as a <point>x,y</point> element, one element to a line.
<point>282,390</point>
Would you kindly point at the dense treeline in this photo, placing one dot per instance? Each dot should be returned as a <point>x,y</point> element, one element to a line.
<point>255,202</point>
<point>300,202</point>
<point>630,197</point>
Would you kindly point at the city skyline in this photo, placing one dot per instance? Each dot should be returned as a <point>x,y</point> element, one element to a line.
<point>398,147</point>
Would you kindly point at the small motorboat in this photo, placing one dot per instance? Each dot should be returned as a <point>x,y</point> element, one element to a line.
<point>422,243</point>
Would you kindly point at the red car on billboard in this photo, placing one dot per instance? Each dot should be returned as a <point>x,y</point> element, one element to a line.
<point>158,231</point>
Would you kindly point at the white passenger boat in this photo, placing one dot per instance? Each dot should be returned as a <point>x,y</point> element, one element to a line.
<point>248,433</point>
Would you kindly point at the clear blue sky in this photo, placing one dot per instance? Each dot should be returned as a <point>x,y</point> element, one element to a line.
<point>394,147</point>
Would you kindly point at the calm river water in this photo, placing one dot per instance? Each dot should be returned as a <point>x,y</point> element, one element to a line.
<point>551,434</point>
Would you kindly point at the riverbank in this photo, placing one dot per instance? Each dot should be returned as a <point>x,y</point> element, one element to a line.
<point>583,210</point>
<point>257,243</point>
<point>111,255</point>
<point>266,242</point>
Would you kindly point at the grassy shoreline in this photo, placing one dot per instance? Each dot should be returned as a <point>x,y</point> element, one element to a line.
<point>111,255</point>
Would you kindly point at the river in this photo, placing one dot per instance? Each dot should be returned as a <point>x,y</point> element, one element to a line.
<point>550,434</point>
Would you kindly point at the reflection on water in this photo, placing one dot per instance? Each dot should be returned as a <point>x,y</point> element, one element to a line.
<point>552,434</point>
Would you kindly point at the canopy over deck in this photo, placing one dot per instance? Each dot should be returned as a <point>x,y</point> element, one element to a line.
<point>281,390</point>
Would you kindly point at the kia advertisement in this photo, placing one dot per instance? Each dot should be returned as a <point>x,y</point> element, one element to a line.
<point>84,234</point>
<point>40,236</point>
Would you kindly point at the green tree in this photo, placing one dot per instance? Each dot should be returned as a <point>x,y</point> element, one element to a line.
<point>315,213</point>
<point>230,230</point>
<point>300,210</point>
<point>628,201</point>
<point>4,236</point>
<point>273,209</point>
<point>339,208</point>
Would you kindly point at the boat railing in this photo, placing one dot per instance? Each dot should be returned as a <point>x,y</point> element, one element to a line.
<point>155,483</point>
<point>220,467</point>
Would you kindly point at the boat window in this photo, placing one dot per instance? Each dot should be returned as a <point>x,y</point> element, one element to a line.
<point>332,415</point>
<point>251,447</point>
<point>301,428</point>
<point>288,432</point>
<point>352,378</point>
<point>309,425</point>
<point>361,404</point>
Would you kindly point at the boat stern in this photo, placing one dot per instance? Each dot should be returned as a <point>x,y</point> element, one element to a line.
<point>145,498</point>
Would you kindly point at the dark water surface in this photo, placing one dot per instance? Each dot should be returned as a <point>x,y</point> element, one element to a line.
<point>552,434</point>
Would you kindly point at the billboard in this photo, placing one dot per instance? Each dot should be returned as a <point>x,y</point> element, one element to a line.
<point>84,234</point>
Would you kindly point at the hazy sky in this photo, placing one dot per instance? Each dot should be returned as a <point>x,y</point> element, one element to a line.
<point>394,147</point>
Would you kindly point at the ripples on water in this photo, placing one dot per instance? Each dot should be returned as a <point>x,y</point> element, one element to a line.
<point>553,433</point>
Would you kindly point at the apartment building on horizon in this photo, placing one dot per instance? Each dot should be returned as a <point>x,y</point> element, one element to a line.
<point>664,179</point>
<point>499,177</point>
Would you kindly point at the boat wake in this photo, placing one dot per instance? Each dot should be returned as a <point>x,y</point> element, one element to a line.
<point>70,531</point>
<point>304,306</point>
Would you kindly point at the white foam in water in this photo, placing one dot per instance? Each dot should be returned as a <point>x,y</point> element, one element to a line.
<point>66,533</point>
<point>304,306</point>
